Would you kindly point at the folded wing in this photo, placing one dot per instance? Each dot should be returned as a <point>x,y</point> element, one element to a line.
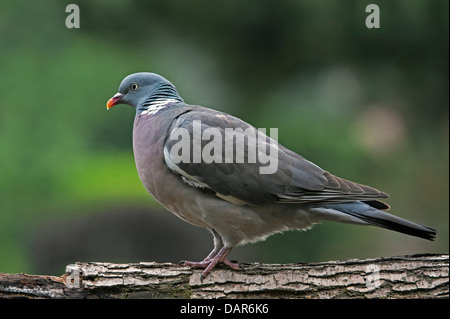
<point>198,149</point>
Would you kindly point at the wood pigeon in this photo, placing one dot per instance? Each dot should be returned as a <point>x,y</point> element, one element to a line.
<point>188,162</point>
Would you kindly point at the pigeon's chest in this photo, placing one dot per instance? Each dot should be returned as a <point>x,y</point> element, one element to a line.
<point>149,133</point>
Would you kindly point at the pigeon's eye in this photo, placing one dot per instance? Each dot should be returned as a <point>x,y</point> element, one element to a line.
<point>134,86</point>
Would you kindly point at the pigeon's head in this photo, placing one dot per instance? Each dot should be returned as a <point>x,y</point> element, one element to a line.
<point>141,89</point>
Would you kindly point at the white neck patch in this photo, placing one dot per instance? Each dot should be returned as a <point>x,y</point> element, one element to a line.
<point>157,105</point>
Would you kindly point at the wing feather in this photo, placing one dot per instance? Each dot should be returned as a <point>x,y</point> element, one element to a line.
<point>296,180</point>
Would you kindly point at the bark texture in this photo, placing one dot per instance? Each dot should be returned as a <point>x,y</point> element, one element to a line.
<point>417,276</point>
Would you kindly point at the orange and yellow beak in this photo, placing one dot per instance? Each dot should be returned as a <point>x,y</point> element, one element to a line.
<point>114,100</point>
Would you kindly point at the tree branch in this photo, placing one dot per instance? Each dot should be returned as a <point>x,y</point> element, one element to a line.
<point>417,276</point>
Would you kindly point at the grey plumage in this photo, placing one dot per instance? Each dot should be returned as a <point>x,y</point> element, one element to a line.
<point>234,200</point>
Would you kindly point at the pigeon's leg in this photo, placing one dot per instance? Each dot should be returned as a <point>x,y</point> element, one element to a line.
<point>217,255</point>
<point>218,244</point>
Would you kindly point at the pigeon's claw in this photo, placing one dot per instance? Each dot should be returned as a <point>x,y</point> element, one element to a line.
<point>210,263</point>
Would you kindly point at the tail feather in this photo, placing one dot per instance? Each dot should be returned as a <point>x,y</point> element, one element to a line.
<point>365,214</point>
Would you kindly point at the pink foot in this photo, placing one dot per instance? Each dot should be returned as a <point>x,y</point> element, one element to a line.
<point>210,263</point>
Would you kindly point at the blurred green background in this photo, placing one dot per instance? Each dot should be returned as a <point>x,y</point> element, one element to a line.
<point>369,105</point>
